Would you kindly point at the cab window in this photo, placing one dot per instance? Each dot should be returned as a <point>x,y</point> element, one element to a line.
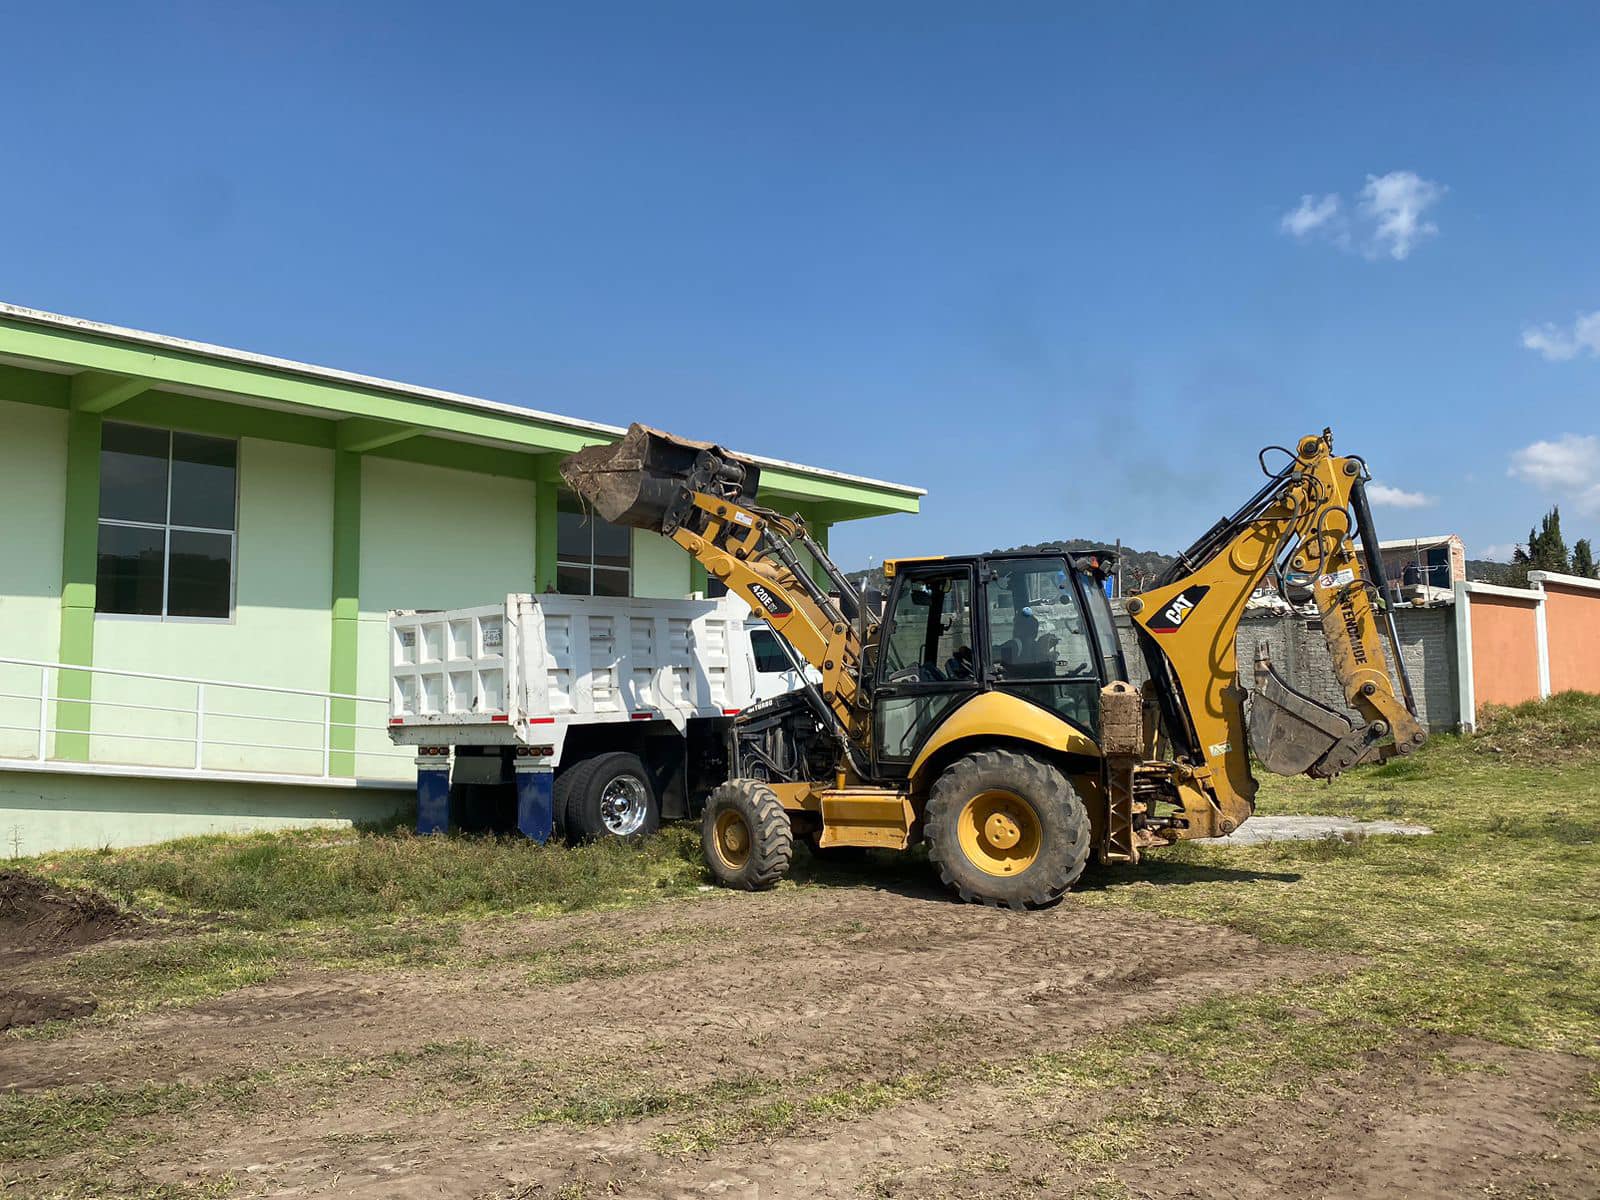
<point>1036,629</point>
<point>1040,647</point>
<point>1105,625</point>
<point>770,658</point>
<point>929,638</point>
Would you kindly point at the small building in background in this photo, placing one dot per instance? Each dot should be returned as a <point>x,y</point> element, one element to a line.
<point>1436,562</point>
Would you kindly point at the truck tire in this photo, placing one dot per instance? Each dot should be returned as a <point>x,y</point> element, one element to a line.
<point>1006,829</point>
<point>609,795</point>
<point>558,801</point>
<point>746,836</point>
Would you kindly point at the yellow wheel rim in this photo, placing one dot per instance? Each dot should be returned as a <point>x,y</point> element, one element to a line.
<point>999,832</point>
<point>732,838</point>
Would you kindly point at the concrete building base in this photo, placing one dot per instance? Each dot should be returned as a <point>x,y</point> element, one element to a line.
<point>44,810</point>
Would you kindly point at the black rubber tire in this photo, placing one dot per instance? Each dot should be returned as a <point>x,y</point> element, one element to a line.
<point>558,799</point>
<point>1065,837</point>
<point>771,835</point>
<point>582,786</point>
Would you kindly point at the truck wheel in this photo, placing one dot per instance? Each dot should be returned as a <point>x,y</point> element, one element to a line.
<point>746,836</point>
<point>558,800</point>
<point>1006,828</point>
<point>609,795</point>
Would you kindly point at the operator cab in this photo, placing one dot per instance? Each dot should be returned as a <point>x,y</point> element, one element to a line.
<point>1036,624</point>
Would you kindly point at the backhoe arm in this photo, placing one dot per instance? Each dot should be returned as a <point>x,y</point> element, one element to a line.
<point>1188,625</point>
<point>702,497</point>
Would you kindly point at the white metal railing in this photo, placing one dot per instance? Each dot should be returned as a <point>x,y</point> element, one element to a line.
<point>212,719</point>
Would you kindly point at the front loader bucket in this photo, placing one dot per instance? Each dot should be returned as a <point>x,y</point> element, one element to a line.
<point>644,480</point>
<point>1290,732</point>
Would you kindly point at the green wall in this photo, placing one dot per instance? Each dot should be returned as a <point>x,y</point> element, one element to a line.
<point>33,474</point>
<point>279,635</point>
<point>434,538</point>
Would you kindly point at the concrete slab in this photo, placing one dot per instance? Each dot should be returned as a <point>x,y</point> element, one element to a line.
<point>1288,829</point>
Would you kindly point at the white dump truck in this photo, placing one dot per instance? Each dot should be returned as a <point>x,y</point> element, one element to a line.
<point>586,716</point>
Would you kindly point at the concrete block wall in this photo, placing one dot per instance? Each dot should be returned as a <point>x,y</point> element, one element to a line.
<point>1298,651</point>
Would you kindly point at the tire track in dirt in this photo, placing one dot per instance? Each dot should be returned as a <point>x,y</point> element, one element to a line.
<point>828,983</point>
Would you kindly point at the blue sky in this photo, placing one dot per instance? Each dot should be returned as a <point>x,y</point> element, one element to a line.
<point>1066,267</point>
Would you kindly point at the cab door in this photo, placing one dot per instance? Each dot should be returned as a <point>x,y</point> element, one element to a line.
<point>926,662</point>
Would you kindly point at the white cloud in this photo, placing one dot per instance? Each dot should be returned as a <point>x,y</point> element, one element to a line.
<point>1393,497</point>
<point>1312,214</point>
<point>1498,551</point>
<point>1569,466</point>
<point>1394,203</point>
<point>1560,345</point>
<point>1388,220</point>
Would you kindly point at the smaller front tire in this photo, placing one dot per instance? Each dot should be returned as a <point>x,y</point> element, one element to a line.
<point>746,836</point>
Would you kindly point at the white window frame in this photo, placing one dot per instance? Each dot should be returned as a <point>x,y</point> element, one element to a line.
<point>590,519</point>
<point>167,530</point>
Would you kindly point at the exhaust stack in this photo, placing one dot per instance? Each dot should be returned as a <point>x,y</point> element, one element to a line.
<point>647,480</point>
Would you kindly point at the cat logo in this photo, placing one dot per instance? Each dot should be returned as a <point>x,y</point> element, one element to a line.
<point>1177,610</point>
<point>774,606</point>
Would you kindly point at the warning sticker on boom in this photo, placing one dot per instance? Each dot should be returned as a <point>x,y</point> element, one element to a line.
<point>1337,579</point>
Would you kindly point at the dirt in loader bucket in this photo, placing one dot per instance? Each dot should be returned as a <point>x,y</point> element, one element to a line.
<point>643,480</point>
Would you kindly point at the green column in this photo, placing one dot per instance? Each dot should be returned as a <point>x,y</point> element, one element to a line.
<point>819,534</point>
<point>699,580</point>
<point>343,661</point>
<point>544,536</point>
<point>79,545</point>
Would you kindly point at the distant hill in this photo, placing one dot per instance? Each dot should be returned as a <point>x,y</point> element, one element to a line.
<point>1481,570</point>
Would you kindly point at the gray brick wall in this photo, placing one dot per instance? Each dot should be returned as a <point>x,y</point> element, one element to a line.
<point>1298,651</point>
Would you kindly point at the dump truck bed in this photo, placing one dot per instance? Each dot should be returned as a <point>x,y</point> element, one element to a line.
<point>523,671</point>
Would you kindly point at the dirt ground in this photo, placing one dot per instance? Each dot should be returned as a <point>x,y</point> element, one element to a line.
<point>831,1042</point>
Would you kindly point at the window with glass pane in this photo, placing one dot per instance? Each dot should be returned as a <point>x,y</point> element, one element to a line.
<point>930,632</point>
<point>1105,625</point>
<point>168,511</point>
<point>770,658</point>
<point>1036,630</point>
<point>593,557</point>
<point>1039,645</point>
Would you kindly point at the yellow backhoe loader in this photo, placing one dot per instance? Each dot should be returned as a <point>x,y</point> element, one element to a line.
<point>985,708</point>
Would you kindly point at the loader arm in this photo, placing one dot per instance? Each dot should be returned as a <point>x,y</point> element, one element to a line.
<point>702,497</point>
<point>1304,519</point>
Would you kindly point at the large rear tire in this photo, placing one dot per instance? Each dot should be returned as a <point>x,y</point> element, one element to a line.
<point>609,795</point>
<point>746,836</point>
<point>1006,828</point>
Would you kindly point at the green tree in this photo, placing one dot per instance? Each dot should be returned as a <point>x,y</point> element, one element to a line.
<point>1547,549</point>
<point>1582,558</point>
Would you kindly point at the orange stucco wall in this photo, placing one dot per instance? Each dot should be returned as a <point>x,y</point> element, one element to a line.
<point>1572,622</point>
<point>1505,650</point>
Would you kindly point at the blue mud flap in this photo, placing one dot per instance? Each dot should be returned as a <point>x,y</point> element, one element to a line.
<point>433,797</point>
<point>535,807</point>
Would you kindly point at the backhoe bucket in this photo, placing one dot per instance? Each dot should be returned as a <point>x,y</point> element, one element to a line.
<point>646,479</point>
<point>1290,732</point>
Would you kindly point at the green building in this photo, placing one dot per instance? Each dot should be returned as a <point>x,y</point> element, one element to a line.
<point>199,549</point>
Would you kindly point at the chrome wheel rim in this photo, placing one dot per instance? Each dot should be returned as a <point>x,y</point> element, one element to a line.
<point>623,806</point>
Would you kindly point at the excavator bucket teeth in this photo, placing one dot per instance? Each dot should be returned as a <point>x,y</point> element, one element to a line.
<point>645,480</point>
<point>1290,732</point>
